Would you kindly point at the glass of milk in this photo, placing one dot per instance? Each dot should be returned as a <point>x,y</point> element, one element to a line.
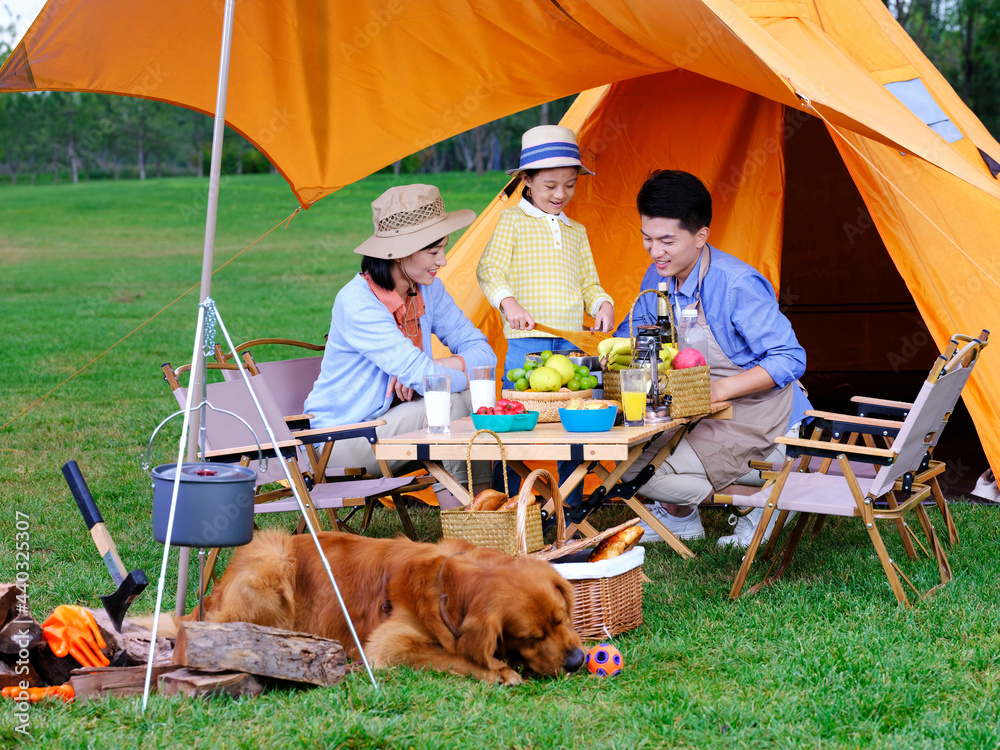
<point>482,387</point>
<point>437,402</point>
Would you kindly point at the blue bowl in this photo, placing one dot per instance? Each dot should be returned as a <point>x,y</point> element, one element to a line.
<point>588,420</point>
<point>506,422</point>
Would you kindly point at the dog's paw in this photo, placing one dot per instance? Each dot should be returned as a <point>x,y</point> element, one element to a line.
<point>508,677</point>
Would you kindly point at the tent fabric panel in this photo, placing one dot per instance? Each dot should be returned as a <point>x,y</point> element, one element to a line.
<point>946,253</point>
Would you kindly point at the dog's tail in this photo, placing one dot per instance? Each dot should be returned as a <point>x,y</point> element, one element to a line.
<point>259,584</point>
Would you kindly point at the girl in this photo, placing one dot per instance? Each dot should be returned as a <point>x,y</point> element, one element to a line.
<point>538,266</point>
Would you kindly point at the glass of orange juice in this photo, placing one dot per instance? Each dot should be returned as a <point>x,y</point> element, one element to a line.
<point>634,385</point>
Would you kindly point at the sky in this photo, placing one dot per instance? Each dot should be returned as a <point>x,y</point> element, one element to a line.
<point>26,9</point>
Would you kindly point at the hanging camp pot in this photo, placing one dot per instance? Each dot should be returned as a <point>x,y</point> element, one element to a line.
<point>214,504</point>
<point>215,501</point>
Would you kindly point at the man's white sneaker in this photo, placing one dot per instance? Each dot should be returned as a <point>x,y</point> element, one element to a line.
<point>745,526</point>
<point>688,527</point>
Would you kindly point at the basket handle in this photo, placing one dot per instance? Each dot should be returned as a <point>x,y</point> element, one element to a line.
<point>525,498</point>
<point>503,461</point>
<point>670,314</point>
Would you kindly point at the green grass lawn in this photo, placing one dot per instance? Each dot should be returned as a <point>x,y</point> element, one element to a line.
<point>825,659</point>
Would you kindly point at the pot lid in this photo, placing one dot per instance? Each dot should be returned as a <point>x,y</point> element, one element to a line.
<point>206,472</point>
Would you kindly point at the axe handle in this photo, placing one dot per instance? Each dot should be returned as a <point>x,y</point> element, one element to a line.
<point>95,522</point>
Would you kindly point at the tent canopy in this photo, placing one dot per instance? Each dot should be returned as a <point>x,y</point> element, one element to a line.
<point>756,98</point>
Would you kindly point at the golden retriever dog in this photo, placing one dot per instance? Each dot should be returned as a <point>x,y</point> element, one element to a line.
<point>448,606</point>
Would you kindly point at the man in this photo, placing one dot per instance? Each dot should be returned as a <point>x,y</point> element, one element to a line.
<point>754,357</point>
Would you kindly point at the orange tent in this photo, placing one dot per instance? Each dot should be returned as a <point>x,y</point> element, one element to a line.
<point>778,106</point>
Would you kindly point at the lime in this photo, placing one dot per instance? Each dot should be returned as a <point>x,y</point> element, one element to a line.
<point>529,365</point>
<point>521,384</point>
<point>516,374</point>
<point>573,384</point>
<point>546,354</point>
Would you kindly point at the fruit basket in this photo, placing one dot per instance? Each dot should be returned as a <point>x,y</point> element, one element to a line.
<point>689,389</point>
<point>547,404</point>
<point>506,422</point>
<point>588,420</point>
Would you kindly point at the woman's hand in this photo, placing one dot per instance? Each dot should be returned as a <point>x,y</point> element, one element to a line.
<point>517,317</point>
<point>605,318</point>
<point>402,392</point>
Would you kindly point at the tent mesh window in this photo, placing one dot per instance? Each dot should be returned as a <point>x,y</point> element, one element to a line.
<point>919,101</point>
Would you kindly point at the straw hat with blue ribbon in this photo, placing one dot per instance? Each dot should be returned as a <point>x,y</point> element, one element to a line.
<point>549,146</point>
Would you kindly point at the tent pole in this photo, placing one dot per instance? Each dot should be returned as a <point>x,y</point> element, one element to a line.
<point>207,259</point>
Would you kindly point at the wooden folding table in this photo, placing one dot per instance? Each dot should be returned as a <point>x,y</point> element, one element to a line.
<point>549,441</point>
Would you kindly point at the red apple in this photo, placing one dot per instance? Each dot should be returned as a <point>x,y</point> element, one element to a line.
<point>687,358</point>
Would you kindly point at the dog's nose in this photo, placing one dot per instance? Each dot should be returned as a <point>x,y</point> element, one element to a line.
<point>573,660</point>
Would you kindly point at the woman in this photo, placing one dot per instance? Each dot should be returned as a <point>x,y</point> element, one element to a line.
<point>379,347</point>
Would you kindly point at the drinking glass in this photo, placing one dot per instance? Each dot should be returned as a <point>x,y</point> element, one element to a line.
<point>437,403</point>
<point>482,387</point>
<point>634,386</point>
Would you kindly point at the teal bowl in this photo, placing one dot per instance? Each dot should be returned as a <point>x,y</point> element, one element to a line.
<point>588,420</point>
<point>506,422</point>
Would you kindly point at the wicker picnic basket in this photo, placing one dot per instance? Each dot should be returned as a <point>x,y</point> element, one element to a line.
<point>546,404</point>
<point>607,595</point>
<point>499,529</point>
<point>689,389</point>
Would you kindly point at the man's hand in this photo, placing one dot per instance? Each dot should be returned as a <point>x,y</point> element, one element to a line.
<point>605,318</point>
<point>72,630</point>
<point>402,392</point>
<point>517,317</point>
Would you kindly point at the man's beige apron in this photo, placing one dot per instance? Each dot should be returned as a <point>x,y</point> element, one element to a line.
<point>724,446</point>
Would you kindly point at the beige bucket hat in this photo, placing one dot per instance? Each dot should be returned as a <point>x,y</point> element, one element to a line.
<point>548,146</point>
<point>408,218</point>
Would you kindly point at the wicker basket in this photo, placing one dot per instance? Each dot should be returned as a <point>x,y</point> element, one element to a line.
<point>515,531</point>
<point>689,389</point>
<point>546,404</point>
<point>613,385</point>
<point>607,595</point>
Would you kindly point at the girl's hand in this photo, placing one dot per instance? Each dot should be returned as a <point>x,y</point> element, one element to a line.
<point>402,392</point>
<point>517,317</point>
<point>605,318</point>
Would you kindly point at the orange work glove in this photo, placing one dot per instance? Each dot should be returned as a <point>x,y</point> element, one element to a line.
<point>38,694</point>
<point>72,630</point>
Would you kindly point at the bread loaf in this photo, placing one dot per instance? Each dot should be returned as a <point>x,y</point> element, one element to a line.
<point>595,403</point>
<point>512,503</point>
<point>616,544</point>
<point>488,500</point>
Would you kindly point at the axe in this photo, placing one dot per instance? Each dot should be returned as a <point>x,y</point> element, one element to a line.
<point>130,584</point>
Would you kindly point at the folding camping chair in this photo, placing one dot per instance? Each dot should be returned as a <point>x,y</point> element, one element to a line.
<point>228,440</point>
<point>290,380</point>
<point>844,493</point>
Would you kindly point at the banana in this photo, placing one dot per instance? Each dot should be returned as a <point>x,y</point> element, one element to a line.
<point>615,343</point>
<point>621,359</point>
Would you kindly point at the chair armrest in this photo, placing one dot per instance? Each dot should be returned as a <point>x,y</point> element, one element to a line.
<point>868,405</point>
<point>285,447</point>
<point>848,423</point>
<point>823,449</point>
<point>341,432</point>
